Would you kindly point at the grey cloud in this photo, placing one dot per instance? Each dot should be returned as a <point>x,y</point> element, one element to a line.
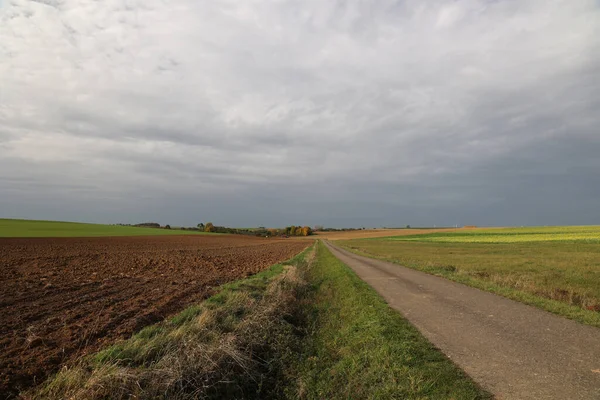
<point>336,113</point>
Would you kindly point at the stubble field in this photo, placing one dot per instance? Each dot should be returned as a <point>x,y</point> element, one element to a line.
<point>380,233</point>
<point>64,297</point>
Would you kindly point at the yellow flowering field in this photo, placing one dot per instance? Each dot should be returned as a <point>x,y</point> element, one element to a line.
<point>589,234</point>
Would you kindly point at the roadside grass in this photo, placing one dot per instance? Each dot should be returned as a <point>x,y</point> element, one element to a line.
<point>239,343</point>
<point>559,276</point>
<point>360,348</point>
<point>31,228</point>
<point>305,329</point>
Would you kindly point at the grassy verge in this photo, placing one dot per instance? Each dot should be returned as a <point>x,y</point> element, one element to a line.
<point>30,228</point>
<point>360,348</point>
<point>308,329</point>
<point>560,277</point>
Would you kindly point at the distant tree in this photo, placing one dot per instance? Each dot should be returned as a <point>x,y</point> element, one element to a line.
<point>209,227</point>
<point>298,230</point>
<point>200,226</point>
<point>407,226</point>
<point>318,227</point>
<point>167,226</point>
<point>306,231</point>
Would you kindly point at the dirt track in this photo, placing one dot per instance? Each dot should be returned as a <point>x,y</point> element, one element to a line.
<point>513,350</point>
<point>63,297</point>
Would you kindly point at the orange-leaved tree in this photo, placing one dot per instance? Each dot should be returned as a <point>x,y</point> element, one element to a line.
<point>209,227</point>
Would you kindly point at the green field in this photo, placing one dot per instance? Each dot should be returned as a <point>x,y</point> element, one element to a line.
<point>31,228</point>
<point>554,268</point>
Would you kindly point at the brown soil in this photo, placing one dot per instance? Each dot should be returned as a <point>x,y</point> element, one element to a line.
<point>61,298</point>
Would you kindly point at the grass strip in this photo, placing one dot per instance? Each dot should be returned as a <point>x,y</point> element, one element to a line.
<point>360,348</point>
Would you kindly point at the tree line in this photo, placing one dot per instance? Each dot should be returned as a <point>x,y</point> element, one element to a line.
<point>261,231</point>
<point>291,230</point>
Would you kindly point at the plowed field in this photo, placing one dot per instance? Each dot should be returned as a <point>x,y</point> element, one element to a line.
<point>63,297</point>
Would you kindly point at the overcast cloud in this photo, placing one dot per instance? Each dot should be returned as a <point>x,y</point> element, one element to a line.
<point>342,113</point>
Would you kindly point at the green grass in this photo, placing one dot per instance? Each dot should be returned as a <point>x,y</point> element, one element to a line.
<point>305,329</point>
<point>560,276</point>
<point>31,228</point>
<point>362,349</point>
<point>570,234</point>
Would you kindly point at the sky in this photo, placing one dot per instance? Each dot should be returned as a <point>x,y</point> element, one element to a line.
<point>270,113</point>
